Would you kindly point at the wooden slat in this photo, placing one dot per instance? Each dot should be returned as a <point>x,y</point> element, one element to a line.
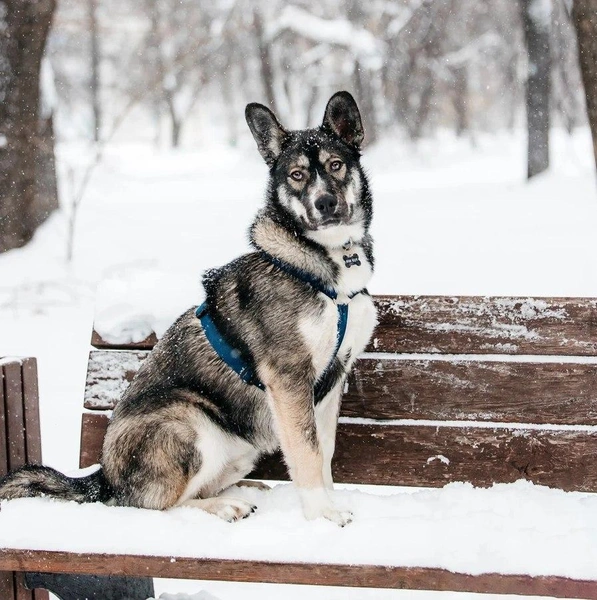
<point>97,341</point>
<point>511,392</point>
<point>15,384</point>
<point>486,325</point>
<point>41,595</point>
<point>6,585</point>
<point>15,419</point>
<point>373,576</point>
<point>21,592</point>
<point>6,577</point>
<point>384,388</point>
<point>433,456</point>
<point>31,410</point>
<point>108,374</point>
<point>93,430</point>
<point>472,325</point>
<point>3,440</point>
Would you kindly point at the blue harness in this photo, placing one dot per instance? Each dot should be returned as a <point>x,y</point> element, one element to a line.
<point>233,358</point>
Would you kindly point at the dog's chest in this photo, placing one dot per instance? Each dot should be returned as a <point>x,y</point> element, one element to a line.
<point>320,333</point>
<point>354,271</point>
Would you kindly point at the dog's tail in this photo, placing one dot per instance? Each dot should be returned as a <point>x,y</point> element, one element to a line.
<point>34,480</point>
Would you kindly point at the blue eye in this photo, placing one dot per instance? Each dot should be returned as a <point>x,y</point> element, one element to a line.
<point>336,165</point>
<point>297,175</point>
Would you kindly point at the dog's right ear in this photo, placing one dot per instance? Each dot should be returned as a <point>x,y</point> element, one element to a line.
<point>266,130</point>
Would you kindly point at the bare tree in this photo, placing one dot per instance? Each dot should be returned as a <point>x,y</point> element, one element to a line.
<point>95,67</point>
<point>265,59</point>
<point>27,177</point>
<point>536,18</point>
<point>584,13</point>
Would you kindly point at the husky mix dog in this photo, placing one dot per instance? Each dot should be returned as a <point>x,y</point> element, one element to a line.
<point>262,364</point>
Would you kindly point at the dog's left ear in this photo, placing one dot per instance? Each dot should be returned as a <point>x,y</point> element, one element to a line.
<point>266,130</point>
<point>342,118</point>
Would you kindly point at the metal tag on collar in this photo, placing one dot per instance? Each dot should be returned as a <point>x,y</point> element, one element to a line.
<point>350,260</point>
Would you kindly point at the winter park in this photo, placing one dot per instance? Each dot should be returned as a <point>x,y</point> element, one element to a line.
<point>298,299</point>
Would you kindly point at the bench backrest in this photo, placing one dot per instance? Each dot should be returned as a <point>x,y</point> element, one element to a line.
<point>477,389</point>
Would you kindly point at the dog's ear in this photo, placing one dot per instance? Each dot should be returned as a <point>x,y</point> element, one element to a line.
<point>266,130</point>
<point>343,119</point>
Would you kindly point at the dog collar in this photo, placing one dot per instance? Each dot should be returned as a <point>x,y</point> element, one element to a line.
<point>307,277</point>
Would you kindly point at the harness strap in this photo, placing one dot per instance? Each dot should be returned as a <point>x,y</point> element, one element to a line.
<point>233,358</point>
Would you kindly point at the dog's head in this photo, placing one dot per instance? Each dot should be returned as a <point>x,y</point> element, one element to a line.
<point>315,175</point>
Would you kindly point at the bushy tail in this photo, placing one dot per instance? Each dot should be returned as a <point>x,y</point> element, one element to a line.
<point>34,480</point>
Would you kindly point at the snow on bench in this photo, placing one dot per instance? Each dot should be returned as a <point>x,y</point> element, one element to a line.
<point>517,528</point>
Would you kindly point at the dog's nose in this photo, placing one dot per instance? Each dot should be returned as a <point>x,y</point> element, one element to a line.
<point>326,204</point>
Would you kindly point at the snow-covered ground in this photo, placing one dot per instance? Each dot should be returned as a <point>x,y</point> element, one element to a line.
<point>450,218</point>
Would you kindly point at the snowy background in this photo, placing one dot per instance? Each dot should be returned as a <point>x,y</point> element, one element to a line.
<point>140,220</point>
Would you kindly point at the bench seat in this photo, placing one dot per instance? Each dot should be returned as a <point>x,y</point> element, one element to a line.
<point>455,536</point>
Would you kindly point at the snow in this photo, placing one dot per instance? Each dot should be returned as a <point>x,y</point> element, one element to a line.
<point>128,310</point>
<point>509,528</point>
<point>363,44</point>
<point>451,218</point>
<point>540,13</point>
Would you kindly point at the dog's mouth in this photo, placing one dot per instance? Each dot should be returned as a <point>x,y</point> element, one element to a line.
<point>329,222</point>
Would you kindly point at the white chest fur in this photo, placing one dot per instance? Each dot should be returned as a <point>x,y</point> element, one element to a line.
<point>320,332</point>
<point>352,278</point>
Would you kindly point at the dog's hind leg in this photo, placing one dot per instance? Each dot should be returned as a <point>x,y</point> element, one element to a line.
<point>229,509</point>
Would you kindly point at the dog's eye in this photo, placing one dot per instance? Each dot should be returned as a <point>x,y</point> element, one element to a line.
<point>336,165</point>
<point>297,175</point>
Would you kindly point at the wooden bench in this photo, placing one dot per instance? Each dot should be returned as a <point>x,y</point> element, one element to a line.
<point>502,388</point>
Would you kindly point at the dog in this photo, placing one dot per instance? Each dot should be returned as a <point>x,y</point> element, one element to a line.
<point>262,364</point>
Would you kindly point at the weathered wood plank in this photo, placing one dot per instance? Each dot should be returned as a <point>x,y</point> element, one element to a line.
<point>31,410</point>
<point>15,419</point>
<point>433,456</point>
<point>385,388</point>
<point>3,440</point>
<point>21,592</point>
<point>6,577</point>
<point>374,576</point>
<point>41,595</point>
<point>147,344</point>
<point>108,374</point>
<point>472,325</point>
<point>93,430</point>
<point>486,325</point>
<point>18,411</point>
<point>7,585</point>
<point>514,392</point>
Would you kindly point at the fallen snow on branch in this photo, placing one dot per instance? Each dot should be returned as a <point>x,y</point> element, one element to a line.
<point>339,32</point>
<point>509,528</point>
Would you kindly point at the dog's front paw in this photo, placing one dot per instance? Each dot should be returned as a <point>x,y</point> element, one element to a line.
<point>340,517</point>
<point>316,504</point>
<point>329,512</point>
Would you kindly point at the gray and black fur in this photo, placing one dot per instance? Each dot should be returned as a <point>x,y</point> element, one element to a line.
<point>188,428</point>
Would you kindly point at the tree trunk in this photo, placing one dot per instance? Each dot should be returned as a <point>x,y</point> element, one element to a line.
<point>175,121</point>
<point>265,61</point>
<point>25,143</point>
<point>536,18</point>
<point>584,13</point>
<point>460,98</point>
<point>95,66</point>
<point>364,97</point>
